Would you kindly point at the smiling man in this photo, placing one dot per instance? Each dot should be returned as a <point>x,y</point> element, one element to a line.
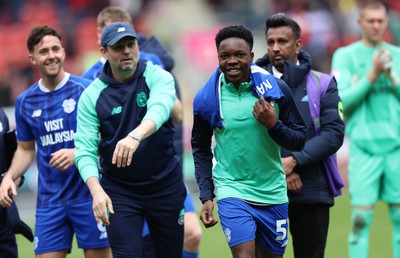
<point>45,115</point>
<point>251,115</point>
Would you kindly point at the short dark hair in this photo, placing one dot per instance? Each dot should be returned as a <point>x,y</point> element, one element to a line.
<point>38,33</point>
<point>281,19</point>
<point>235,31</point>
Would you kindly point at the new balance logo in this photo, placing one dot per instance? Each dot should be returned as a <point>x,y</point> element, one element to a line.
<point>37,113</point>
<point>116,110</point>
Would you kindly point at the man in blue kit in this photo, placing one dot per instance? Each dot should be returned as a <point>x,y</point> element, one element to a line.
<point>124,117</point>
<point>45,115</point>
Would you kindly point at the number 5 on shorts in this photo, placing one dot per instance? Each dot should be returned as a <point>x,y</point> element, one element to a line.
<point>281,228</point>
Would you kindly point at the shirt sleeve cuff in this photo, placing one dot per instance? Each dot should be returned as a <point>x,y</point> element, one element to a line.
<point>88,171</point>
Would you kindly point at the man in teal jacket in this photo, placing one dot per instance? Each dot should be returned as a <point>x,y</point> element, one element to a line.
<point>124,118</point>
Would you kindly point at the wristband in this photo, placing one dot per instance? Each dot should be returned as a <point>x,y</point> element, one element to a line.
<point>135,136</point>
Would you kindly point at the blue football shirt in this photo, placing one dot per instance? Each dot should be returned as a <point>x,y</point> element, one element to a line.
<point>49,118</point>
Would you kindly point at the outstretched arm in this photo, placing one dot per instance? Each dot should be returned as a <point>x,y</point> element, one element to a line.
<point>102,204</point>
<point>125,148</point>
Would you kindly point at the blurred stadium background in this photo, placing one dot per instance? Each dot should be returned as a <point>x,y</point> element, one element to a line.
<point>187,29</point>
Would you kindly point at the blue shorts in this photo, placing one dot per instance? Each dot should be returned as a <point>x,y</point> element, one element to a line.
<point>243,222</point>
<point>55,228</point>
<point>189,205</point>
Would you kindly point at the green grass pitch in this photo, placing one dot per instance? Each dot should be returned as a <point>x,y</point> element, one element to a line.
<point>213,244</point>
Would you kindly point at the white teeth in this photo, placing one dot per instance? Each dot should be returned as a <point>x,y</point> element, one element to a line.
<point>233,71</point>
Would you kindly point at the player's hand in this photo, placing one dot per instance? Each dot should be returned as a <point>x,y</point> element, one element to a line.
<point>124,150</point>
<point>206,215</point>
<point>386,59</point>
<point>289,163</point>
<point>8,188</point>
<point>265,113</point>
<point>62,159</point>
<point>294,183</point>
<point>102,206</point>
<point>382,62</point>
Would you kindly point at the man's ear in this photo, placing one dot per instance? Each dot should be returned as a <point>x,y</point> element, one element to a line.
<point>298,46</point>
<point>31,59</point>
<point>103,52</point>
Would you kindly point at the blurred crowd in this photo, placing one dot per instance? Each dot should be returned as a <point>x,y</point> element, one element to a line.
<point>186,28</point>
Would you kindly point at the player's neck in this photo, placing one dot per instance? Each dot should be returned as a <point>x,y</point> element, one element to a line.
<point>51,82</point>
<point>370,43</point>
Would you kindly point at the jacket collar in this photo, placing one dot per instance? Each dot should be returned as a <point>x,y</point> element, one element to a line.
<point>294,74</point>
